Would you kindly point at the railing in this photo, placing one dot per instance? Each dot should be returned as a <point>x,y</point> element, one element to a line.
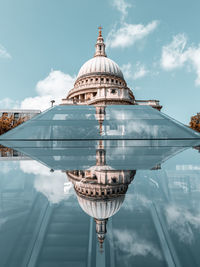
<point>67,102</point>
<point>147,102</point>
<point>85,86</point>
<point>93,100</point>
<point>95,85</point>
<point>153,103</point>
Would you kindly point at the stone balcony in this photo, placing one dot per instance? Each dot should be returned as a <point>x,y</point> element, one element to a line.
<point>94,86</point>
<point>152,103</point>
<point>147,102</point>
<point>93,101</point>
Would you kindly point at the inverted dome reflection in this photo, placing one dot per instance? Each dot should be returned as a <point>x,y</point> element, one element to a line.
<point>101,193</point>
<point>99,148</point>
<point>101,189</point>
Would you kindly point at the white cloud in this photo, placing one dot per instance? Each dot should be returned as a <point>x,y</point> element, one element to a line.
<point>34,167</point>
<point>37,102</point>
<point>54,87</point>
<point>187,167</point>
<point>137,88</point>
<point>136,202</point>
<point>4,53</point>
<point>122,7</point>
<point>7,103</point>
<point>56,83</point>
<point>128,34</point>
<point>141,72</point>
<point>134,72</point>
<point>138,128</point>
<point>179,220</point>
<point>173,55</point>
<point>176,55</point>
<point>7,167</point>
<point>127,70</point>
<point>54,186</point>
<point>134,245</point>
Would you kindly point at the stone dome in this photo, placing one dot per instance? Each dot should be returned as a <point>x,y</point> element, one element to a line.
<point>101,209</point>
<point>100,65</point>
<point>100,81</point>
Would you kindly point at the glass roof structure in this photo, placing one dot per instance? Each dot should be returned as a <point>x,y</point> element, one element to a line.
<point>68,137</point>
<point>71,122</point>
<point>45,222</point>
<point>113,186</point>
<point>127,156</point>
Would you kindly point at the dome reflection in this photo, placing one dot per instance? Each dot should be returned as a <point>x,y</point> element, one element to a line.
<point>100,193</point>
<point>101,190</point>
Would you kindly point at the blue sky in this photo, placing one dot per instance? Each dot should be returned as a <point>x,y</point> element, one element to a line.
<point>156,43</point>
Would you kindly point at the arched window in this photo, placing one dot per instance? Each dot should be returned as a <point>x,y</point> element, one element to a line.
<point>114,180</point>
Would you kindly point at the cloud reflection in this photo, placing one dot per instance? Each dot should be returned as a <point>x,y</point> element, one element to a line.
<point>54,186</point>
<point>136,202</point>
<point>180,221</point>
<point>133,245</point>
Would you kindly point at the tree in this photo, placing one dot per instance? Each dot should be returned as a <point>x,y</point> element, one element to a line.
<point>5,151</point>
<point>195,122</point>
<point>9,122</point>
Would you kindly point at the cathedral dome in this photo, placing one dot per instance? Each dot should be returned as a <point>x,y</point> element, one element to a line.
<point>100,65</point>
<point>100,81</point>
<point>101,209</point>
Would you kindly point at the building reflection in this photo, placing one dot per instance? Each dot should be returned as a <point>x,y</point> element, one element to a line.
<point>100,193</point>
<point>58,232</point>
<point>7,153</point>
<point>101,190</point>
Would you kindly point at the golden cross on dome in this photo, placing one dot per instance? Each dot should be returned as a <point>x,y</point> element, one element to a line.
<point>100,31</point>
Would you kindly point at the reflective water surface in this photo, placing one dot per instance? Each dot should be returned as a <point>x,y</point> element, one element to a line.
<point>102,200</point>
<point>101,216</point>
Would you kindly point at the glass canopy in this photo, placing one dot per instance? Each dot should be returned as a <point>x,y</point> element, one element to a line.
<point>101,122</point>
<point>85,186</point>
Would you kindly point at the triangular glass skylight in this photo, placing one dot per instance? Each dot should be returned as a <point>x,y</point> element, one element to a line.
<point>75,122</point>
<point>69,137</point>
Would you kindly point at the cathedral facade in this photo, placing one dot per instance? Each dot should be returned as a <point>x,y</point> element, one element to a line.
<point>101,82</point>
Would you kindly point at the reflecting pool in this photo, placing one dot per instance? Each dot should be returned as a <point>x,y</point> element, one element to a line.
<point>120,189</point>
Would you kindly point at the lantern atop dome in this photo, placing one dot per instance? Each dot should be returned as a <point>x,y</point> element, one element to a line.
<point>100,31</point>
<point>100,46</point>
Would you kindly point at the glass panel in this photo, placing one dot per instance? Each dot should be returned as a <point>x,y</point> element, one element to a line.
<point>78,189</point>
<point>149,216</point>
<point>111,122</point>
